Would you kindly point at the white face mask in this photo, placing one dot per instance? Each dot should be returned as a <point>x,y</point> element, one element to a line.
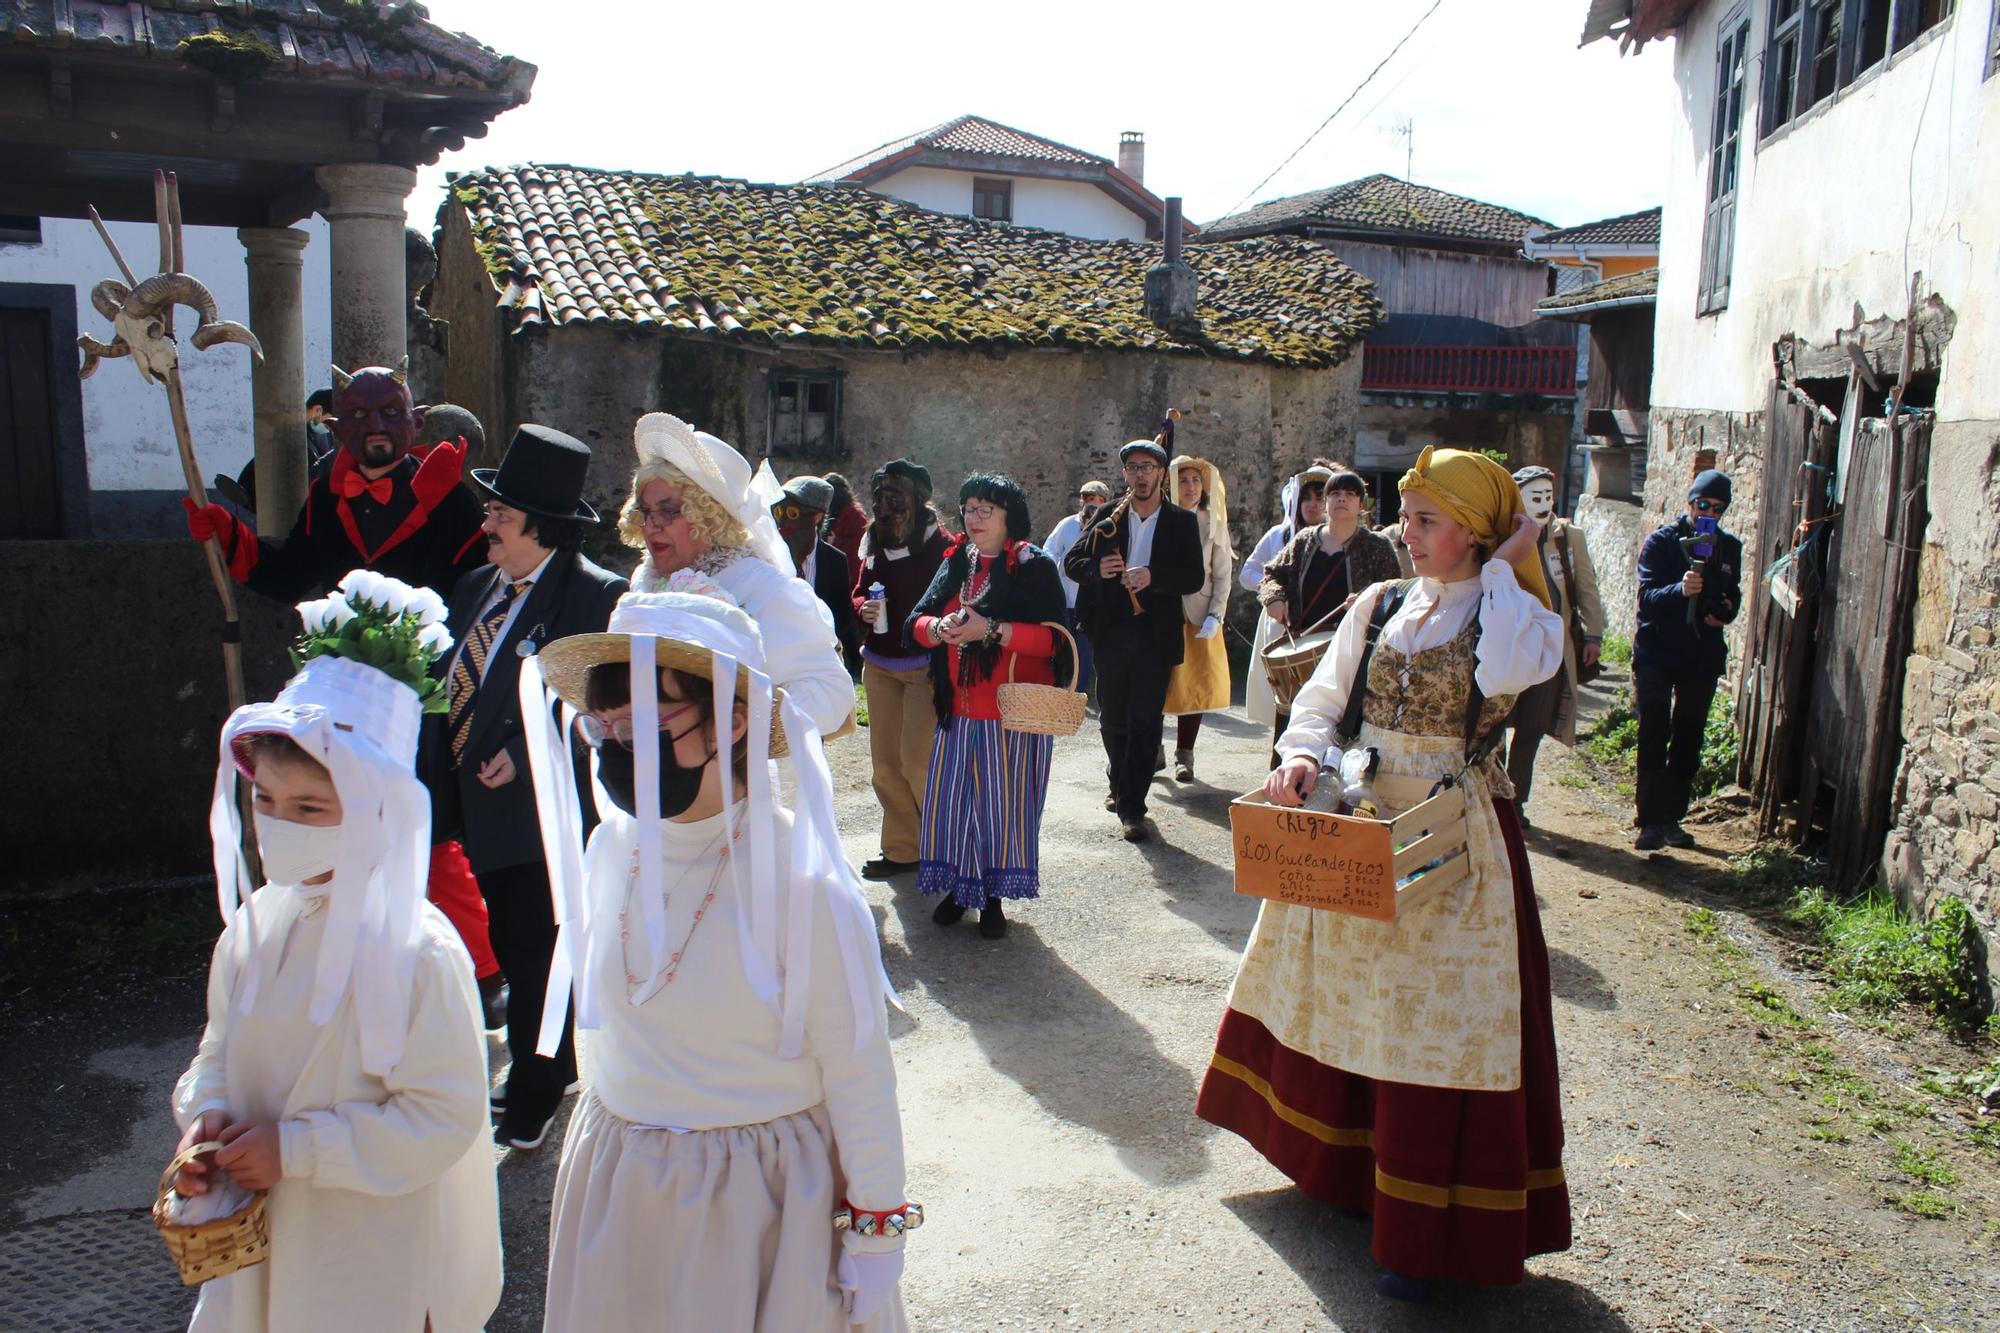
<point>294,853</point>
<point>1539,499</point>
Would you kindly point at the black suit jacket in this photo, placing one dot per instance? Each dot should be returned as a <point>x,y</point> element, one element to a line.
<point>833,582</point>
<point>1102,606</point>
<point>498,825</point>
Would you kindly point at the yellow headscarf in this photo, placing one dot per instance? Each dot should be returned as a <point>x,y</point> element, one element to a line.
<point>1481,495</point>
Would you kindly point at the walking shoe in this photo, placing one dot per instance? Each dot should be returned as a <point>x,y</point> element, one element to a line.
<point>992,921</point>
<point>1651,838</point>
<point>1399,1288</point>
<point>949,912</point>
<point>1183,765</point>
<point>523,1133</point>
<point>496,1100</point>
<point>1677,836</point>
<point>493,1001</point>
<point>1134,830</point>
<point>883,868</point>
<point>1111,800</point>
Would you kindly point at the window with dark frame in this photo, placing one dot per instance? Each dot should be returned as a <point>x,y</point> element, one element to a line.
<point>1817,47</point>
<point>20,229</point>
<point>805,413</point>
<point>1718,240</point>
<point>993,199</point>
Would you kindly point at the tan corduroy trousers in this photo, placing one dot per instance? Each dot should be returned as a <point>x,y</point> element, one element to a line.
<point>902,723</point>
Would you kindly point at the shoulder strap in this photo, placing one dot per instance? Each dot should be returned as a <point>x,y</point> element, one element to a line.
<point>1357,693</point>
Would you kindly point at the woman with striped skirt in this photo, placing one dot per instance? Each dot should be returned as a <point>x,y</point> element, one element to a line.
<point>986,613</point>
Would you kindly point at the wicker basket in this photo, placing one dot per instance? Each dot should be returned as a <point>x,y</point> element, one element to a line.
<point>1043,710</point>
<point>214,1249</point>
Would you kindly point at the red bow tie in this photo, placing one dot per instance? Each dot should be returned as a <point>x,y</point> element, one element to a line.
<point>353,483</point>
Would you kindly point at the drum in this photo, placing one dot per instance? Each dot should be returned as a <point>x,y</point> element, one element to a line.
<point>1290,663</point>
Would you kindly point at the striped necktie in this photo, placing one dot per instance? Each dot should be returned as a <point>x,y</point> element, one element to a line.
<point>471,665</point>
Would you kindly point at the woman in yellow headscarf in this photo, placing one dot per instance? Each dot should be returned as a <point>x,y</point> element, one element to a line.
<point>1407,1069</point>
<point>1200,684</point>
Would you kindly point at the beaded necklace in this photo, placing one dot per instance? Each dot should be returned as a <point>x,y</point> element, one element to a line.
<point>632,979</point>
<point>976,582</point>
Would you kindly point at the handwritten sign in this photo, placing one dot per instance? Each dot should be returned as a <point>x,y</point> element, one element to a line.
<point>1335,863</point>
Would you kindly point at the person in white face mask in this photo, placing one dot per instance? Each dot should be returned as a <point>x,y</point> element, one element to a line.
<point>343,1068</point>
<point>1550,708</point>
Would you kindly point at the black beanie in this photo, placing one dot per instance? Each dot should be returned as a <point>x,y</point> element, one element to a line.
<point>1710,485</point>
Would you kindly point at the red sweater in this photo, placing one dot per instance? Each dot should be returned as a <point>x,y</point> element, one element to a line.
<point>1031,650</point>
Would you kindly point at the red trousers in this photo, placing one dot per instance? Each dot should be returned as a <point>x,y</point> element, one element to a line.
<point>456,894</point>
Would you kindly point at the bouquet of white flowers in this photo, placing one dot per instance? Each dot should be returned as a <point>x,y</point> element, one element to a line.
<point>383,623</point>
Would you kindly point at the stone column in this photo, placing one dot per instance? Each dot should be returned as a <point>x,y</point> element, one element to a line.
<point>275,259</point>
<point>364,217</point>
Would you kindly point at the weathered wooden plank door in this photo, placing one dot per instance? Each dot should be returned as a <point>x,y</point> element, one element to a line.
<point>1854,736</point>
<point>30,505</point>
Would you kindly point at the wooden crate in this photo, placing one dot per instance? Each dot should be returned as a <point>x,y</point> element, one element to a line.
<point>1340,863</point>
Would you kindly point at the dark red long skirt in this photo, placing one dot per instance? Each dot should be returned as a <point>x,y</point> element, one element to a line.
<point>1462,1185</point>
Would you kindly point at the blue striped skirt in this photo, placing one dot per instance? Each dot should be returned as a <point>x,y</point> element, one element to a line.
<point>982,826</point>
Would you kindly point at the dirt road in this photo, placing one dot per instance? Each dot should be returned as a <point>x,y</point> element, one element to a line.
<point>1732,1150</point>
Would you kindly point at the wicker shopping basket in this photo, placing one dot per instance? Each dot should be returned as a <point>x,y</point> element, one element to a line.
<point>210,1250</point>
<point>1043,710</point>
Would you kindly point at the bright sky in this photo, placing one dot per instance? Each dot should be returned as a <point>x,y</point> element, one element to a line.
<point>1504,106</point>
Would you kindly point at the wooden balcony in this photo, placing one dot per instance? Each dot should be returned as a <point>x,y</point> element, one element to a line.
<point>1550,371</point>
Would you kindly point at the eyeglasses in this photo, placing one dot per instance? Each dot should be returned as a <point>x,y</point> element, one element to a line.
<point>661,515</point>
<point>1142,469</point>
<point>596,733</point>
<point>498,512</point>
<point>1711,506</point>
<point>977,513</point>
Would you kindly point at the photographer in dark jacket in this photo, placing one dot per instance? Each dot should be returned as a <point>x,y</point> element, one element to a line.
<point>1678,655</point>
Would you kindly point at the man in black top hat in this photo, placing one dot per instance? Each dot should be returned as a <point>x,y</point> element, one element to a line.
<point>535,589</point>
<point>1130,581</point>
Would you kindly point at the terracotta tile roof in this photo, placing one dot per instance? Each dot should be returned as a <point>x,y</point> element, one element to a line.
<point>353,41</point>
<point>968,134</point>
<point>1626,289</point>
<point>1641,228</point>
<point>818,265</point>
<point>1380,205</point>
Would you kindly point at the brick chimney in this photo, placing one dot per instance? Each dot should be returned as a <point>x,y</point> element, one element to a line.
<point>1132,155</point>
<point>1171,294</point>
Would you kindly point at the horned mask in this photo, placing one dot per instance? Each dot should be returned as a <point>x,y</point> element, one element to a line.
<point>373,417</point>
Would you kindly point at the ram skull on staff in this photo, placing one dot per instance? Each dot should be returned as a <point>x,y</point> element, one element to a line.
<point>136,313</point>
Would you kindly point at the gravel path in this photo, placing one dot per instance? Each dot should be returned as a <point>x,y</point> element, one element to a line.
<point>1731,1162</point>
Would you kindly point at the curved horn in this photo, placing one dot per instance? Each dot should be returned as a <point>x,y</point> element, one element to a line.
<point>109,297</point>
<point>341,379</point>
<point>164,289</point>
<point>227,331</point>
<point>401,374</point>
<point>94,350</point>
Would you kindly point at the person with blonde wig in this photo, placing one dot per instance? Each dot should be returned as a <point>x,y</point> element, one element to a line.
<point>1407,1069</point>
<point>1200,684</point>
<point>696,505</point>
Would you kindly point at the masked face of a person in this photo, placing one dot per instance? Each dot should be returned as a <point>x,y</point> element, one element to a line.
<point>895,511</point>
<point>1539,498</point>
<point>799,526</point>
<point>373,418</point>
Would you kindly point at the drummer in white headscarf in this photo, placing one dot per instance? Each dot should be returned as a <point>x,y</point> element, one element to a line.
<point>1304,503</point>
<point>696,505</point>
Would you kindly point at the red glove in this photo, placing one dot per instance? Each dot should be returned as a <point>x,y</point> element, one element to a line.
<point>213,522</point>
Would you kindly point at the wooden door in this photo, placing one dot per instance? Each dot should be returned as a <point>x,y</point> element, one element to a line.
<point>30,505</point>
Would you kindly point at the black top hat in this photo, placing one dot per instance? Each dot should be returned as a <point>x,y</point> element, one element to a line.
<point>542,472</point>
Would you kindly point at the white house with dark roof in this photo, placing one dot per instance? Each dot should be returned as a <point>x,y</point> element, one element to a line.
<point>983,169</point>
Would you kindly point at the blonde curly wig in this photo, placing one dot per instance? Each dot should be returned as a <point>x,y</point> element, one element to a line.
<point>715,526</point>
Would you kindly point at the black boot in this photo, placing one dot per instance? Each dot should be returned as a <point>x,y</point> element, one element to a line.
<point>992,921</point>
<point>950,911</point>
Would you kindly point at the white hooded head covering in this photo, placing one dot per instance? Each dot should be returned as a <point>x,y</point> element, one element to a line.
<point>702,631</point>
<point>362,725</point>
<point>715,466</point>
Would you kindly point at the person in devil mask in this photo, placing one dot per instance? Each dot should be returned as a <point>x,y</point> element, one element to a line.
<point>386,504</point>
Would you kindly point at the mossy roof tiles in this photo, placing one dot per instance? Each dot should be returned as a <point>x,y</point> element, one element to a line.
<point>1380,205</point>
<point>836,265</point>
<point>1641,228</point>
<point>1625,287</point>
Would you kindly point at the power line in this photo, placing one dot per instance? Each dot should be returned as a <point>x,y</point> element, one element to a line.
<point>1401,42</point>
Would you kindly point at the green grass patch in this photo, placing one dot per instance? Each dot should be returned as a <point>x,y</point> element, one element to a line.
<point>1878,958</point>
<point>1821,1129</point>
<point>1923,1166</point>
<point>1718,748</point>
<point>1702,923</point>
<point>1771,871</point>
<point>1920,1203</point>
<point>1617,651</point>
<point>860,705</point>
<point>1614,740</point>
<point>1768,1004</point>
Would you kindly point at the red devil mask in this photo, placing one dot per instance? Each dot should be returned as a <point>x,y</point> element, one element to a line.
<point>373,417</point>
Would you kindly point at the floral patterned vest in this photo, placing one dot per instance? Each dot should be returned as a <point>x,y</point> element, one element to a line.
<point>1434,700</point>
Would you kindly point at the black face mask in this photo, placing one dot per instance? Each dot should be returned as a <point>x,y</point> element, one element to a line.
<point>678,786</point>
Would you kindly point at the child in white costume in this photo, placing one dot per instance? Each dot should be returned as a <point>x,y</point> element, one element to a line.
<point>344,1062</point>
<point>741,1092</point>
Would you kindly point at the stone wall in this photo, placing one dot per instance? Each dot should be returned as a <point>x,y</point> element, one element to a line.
<point>1049,419</point>
<point>1614,531</point>
<point>111,740</point>
<point>1947,795</point>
